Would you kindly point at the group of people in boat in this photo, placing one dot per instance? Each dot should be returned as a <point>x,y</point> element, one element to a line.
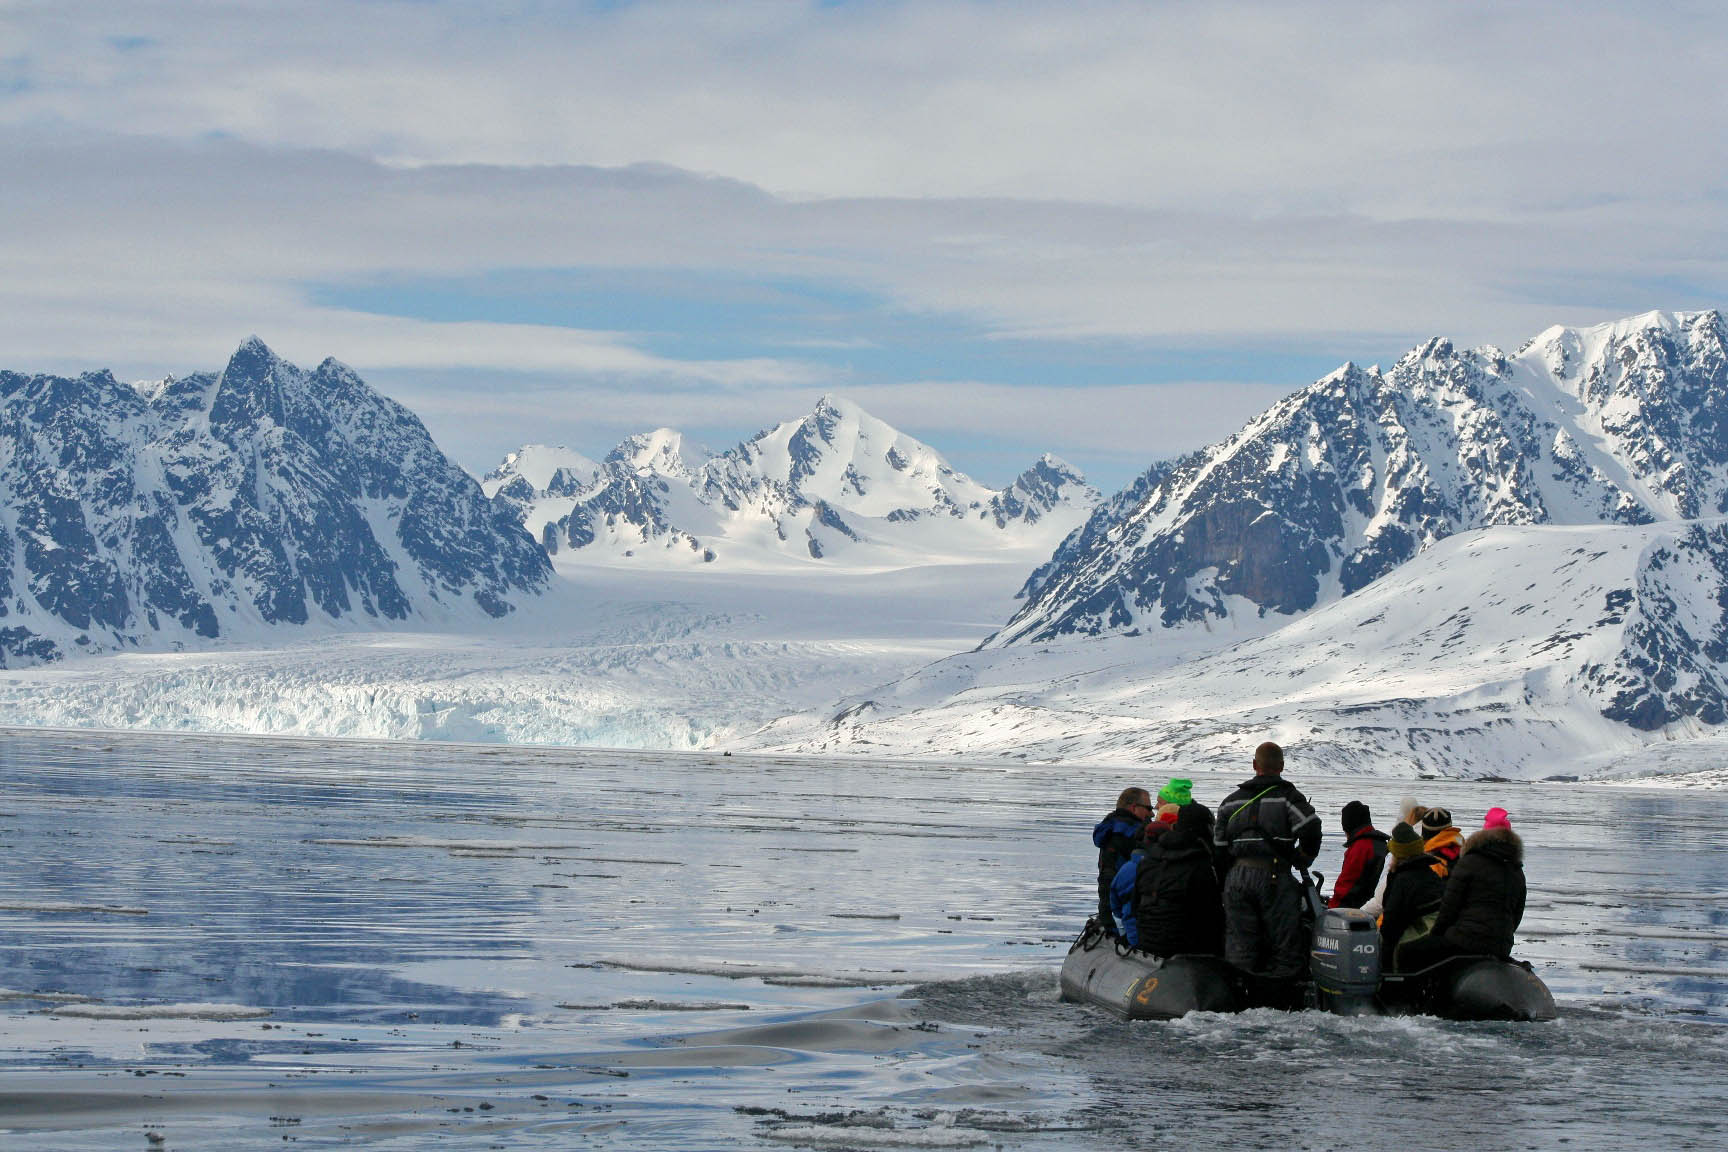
<point>1176,879</point>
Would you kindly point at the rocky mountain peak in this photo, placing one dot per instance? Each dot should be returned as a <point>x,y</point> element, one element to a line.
<point>831,482</point>
<point>252,363</point>
<point>1337,485</point>
<point>662,452</point>
<point>234,501</point>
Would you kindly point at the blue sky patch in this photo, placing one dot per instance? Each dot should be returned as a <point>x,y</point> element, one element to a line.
<point>863,337</point>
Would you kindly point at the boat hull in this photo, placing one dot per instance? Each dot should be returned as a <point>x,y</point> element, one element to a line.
<point>1136,986</point>
<point>1472,988</point>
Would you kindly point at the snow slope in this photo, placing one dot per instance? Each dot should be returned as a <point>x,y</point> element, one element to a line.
<point>1493,652</point>
<point>1338,484</point>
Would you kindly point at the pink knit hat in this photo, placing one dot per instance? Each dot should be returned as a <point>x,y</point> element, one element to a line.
<point>1497,818</point>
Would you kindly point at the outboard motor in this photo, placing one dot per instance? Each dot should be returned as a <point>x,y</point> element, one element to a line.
<point>1345,962</point>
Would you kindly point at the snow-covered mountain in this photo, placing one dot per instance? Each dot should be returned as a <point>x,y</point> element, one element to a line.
<point>262,495</point>
<point>1337,485</point>
<point>838,484</point>
<point>540,468</point>
<point>1474,561</point>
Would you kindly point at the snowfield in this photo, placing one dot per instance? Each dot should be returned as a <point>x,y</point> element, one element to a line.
<point>1491,654</point>
<point>610,656</point>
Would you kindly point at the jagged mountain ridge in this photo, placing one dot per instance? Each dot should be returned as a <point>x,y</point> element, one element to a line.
<point>836,482</point>
<point>1341,482</point>
<point>258,496</point>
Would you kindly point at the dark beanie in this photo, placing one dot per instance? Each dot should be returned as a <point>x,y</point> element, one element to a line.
<point>1195,817</point>
<point>1437,820</point>
<point>1355,816</point>
<point>1405,843</point>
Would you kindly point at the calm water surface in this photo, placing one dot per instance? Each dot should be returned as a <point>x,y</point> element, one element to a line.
<point>227,942</point>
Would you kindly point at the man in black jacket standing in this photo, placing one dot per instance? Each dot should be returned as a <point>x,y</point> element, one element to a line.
<point>1266,827</point>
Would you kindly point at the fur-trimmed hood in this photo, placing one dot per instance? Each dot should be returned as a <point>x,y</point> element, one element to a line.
<point>1501,842</point>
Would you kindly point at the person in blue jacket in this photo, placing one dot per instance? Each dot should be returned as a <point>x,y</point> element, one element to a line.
<point>1115,838</point>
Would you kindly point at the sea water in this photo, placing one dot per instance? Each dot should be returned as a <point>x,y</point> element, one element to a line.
<point>233,943</point>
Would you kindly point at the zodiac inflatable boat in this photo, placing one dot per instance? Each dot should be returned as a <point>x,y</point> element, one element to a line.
<point>1344,968</point>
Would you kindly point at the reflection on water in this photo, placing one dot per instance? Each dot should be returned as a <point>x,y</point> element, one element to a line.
<point>674,951</point>
<point>226,885</point>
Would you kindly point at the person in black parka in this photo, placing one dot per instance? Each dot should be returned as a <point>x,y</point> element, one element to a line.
<point>1177,906</point>
<point>1413,893</point>
<point>1484,900</point>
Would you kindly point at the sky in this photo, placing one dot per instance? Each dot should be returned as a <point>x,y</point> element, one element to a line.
<point>1113,231</point>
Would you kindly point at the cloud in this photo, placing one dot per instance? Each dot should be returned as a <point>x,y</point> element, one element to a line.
<point>1091,179</point>
<point>121,236</point>
<point>1389,110</point>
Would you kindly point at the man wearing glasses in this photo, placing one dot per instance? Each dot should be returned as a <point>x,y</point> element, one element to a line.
<point>1115,838</point>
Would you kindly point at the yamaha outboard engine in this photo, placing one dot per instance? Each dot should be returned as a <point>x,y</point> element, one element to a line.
<point>1345,962</point>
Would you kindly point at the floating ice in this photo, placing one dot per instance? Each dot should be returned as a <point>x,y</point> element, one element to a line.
<point>856,1136</point>
<point>57,906</point>
<point>159,1012</point>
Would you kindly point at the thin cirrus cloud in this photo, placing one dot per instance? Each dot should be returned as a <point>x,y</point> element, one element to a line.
<point>1360,106</point>
<point>688,208</point>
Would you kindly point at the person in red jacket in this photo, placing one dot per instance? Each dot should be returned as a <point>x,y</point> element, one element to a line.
<point>1364,857</point>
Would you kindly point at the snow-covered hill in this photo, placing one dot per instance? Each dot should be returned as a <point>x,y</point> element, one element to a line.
<point>838,486</point>
<point>1525,652</point>
<point>234,503</point>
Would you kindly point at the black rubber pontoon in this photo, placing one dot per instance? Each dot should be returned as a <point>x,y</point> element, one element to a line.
<point>1345,970</point>
<point>1471,988</point>
<point>1139,986</point>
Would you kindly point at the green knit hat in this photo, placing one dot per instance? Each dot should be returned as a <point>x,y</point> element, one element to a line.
<point>1178,792</point>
